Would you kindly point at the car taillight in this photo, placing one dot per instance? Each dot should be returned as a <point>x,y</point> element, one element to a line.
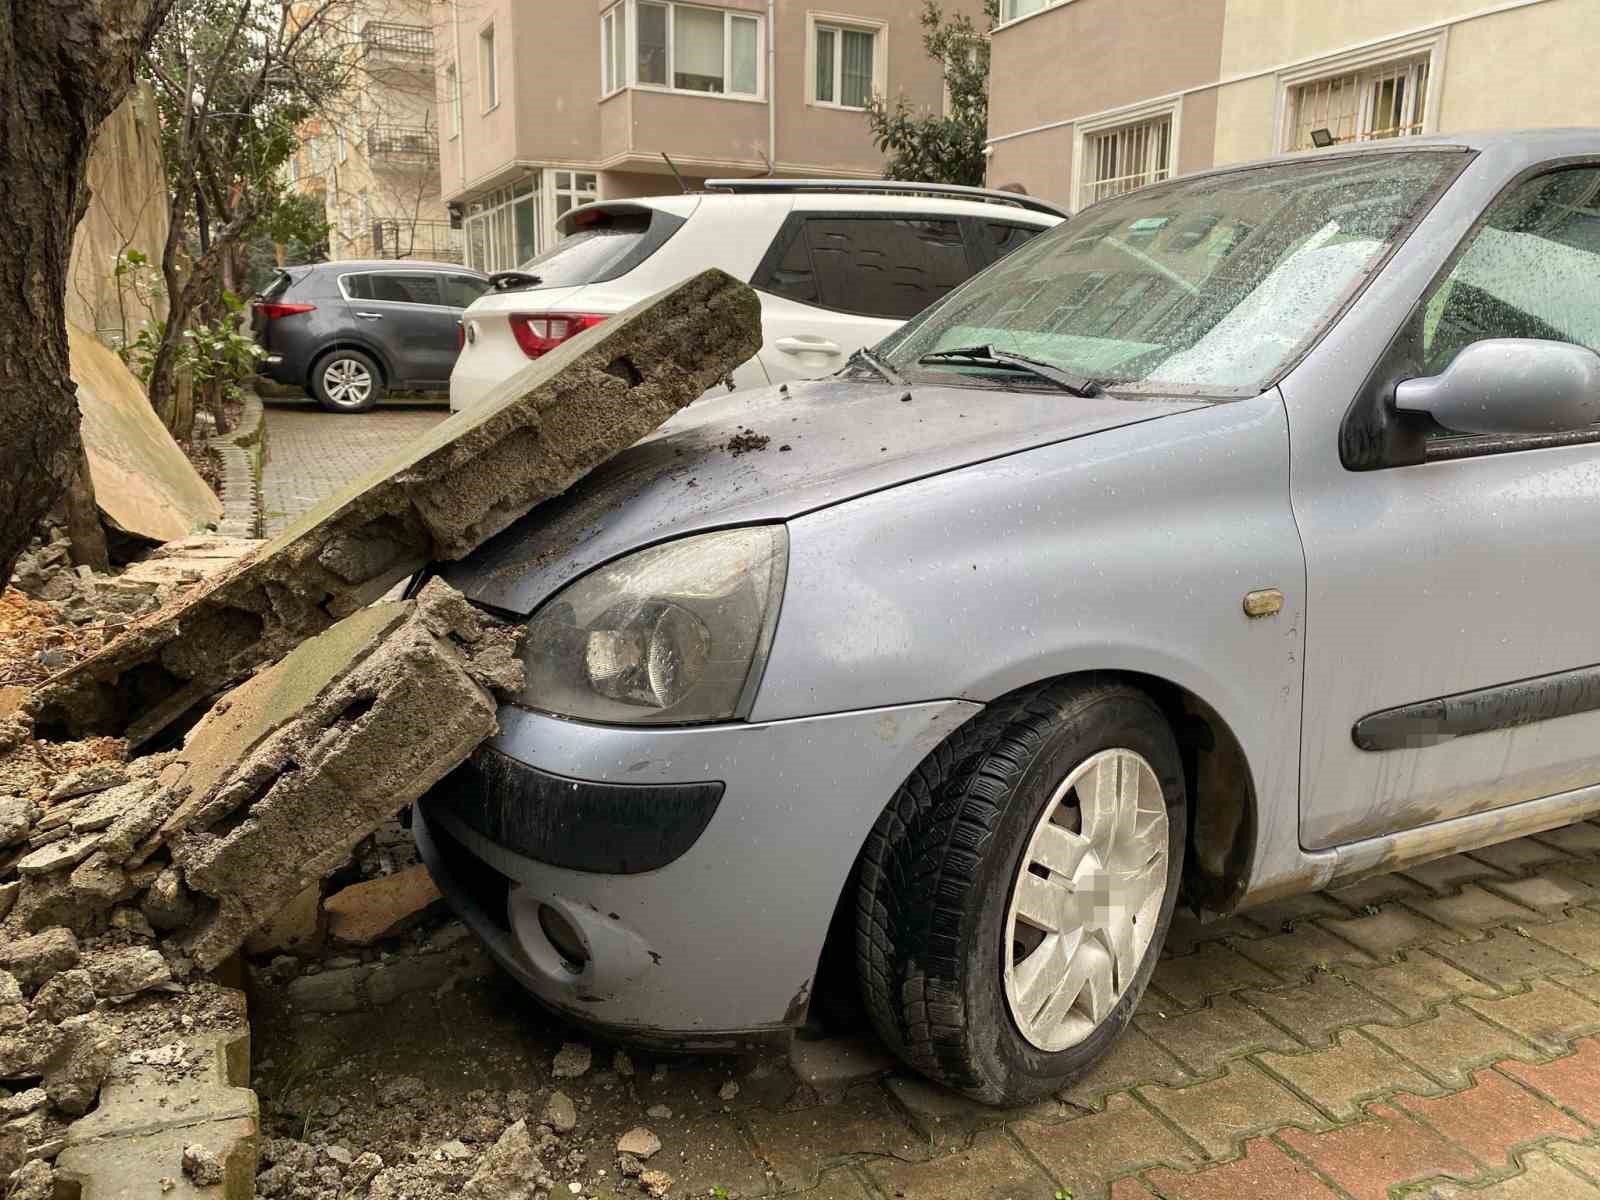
<point>541,334</point>
<point>273,311</point>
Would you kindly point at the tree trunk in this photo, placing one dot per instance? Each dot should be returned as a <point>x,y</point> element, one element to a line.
<point>63,68</point>
<point>183,405</point>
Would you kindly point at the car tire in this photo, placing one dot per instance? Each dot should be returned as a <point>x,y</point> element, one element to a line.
<point>942,891</point>
<point>346,381</point>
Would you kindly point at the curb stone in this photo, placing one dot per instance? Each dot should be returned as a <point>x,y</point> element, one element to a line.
<point>240,487</point>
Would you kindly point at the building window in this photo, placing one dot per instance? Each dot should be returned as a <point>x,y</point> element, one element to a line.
<point>1384,101</point>
<point>503,227</point>
<point>488,76</point>
<point>1128,156</point>
<point>613,49</point>
<point>682,48</point>
<point>844,65</point>
<point>452,95</point>
<point>1010,10</point>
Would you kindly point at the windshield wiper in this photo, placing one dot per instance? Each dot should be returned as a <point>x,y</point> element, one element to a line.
<point>877,364</point>
<point>1078,385</point>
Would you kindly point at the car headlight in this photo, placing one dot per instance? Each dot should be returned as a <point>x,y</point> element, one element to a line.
<point>674,634</point>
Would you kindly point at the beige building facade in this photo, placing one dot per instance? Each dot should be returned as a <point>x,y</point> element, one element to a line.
<point>374,157</point>
<point>547,104</point>
<point>1093,97</point>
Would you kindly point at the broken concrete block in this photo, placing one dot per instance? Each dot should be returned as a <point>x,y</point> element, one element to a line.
<point>87,780</point>
<point>69,994</point>
<point>8,898</point>
<point>168,904</point>
<point>296,929</point>
<point>560,1113</point>
<point>99,879</point>
<point>639,1142</point>
<point>33,960</point>
<point>368,912</point>
<point>126,970</point>
<point>509,1169</point>
<point>74,1072</point>
<point>312,755</point>
<point>33,1181</point>
<point>58,855</point>
<point>442,496</point>
<point>17,816</point>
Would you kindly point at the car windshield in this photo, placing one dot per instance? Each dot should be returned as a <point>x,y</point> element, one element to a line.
<point>1206,286</point>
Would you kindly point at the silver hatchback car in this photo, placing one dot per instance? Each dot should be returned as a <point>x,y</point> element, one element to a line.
<point>1235,538</point>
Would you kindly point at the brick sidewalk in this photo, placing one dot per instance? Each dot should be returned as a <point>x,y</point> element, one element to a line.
<point>1423,1035</point>
<point>312,453</point>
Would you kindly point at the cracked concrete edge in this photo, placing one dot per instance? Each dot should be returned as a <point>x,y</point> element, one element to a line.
<point>131,1147</point>
<point>240,485</point>
<point>439,497</point>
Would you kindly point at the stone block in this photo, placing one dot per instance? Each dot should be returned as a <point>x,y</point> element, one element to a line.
<point>368,912</point>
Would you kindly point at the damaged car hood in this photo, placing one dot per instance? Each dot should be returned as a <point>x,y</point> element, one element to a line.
<point>770,455</point>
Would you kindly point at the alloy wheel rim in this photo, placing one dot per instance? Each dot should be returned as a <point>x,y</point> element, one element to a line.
<point>347,381</point>
<point>1086,899</point>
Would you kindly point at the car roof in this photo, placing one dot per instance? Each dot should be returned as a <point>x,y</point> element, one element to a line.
<point>826,201</point>
<point>386,264</point>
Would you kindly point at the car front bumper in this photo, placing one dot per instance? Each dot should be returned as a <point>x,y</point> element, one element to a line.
<point>718,946</point>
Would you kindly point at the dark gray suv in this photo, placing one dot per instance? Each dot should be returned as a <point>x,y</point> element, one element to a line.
<point>349,331</point>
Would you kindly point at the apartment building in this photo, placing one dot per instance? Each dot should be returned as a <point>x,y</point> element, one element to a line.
<point>1093,97</point>
<point>548,105</point>
<point>373,157</point>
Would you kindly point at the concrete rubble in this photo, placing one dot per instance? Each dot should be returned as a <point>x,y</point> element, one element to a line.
<point>124,879</point>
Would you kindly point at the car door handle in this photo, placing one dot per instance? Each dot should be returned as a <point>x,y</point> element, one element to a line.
<point>806,345</point>
<point>370,316</point>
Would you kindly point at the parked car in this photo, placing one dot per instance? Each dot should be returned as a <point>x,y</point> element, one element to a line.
<point>1232,540</point>
<point>348,332</point>
<point>837,264</point>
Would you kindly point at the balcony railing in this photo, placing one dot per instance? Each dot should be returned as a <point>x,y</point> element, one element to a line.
<point>385,39</point>
<point>389,238</point>
<point>402,143</point>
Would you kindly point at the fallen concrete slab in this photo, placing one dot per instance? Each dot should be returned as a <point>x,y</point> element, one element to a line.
<point>439,498</point>
<point>142,480</point>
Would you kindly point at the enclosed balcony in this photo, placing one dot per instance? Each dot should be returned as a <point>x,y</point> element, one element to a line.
<point>402,145</point>
<point>387,43</point>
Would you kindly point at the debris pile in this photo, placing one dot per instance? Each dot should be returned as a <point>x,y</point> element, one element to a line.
<point>128,876</point>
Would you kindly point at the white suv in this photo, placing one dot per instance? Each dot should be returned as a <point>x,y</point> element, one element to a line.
<point>838,266</point>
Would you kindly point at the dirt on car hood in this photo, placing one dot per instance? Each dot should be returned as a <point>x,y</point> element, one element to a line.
<point>769,455</point>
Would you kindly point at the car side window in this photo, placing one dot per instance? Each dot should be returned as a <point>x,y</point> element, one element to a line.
<point>1001,238</point>
<point>357,287</point>
<point>873,266</point>
<point>404,289</point>
<point>1531,270</point>
<point>462,290</point>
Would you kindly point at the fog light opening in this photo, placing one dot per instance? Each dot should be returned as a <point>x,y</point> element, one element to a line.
<point>559,930</point>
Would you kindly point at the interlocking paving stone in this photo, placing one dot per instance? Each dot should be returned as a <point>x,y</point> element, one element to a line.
<point>1386,932</point>
<point>942,1116</point>
<point>1206,1037</point>
<point>991,1168</point>
<point>1547,892</point>
<point>838,1184</point>
<point>1446,1046</point>
<point>1316,1008</point>
<point>1572,1082</point>
<point>311,453</point>
<point>1209,971</point>
<point>720,1158</point>
<point>1133,1058</point>
<point>1307,948</point>
<point>1492,1117</point>
<point>1375,889</point>
<point>1472,908</point>
<point>1420,983</point>
<point>1504,957</point>
<point>1130,1188</point>
<point>1443,876</point>
<point>1582,838</point>
<point>1542,1178</point>
<point>1339,1077</point>
<point>1265,1171</point>
<point>1546,1014</point>
<point>1187,932</point>
<point>1219,1113</point>
<point>1580,1158</point>
<point>1387,1149</point>
<point>1518,856</point>
<point>1082,1153</point>
<point>1296,909</point>
<point>797,1143</point>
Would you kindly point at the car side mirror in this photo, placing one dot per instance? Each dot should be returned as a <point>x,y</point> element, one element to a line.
<point>1509,386</point>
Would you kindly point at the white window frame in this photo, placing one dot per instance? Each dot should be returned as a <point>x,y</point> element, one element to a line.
<point>630,57</point>
<point>839,23</point>
<point>1109,122</point>
<point>577,195</point>
<point>1431,46</point>
<point>608,33</point>
<point>488,68</point>
<point>1006,22</point>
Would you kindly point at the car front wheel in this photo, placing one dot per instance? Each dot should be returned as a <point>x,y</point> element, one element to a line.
<point>346,381</point>
<point>1015,895</point>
